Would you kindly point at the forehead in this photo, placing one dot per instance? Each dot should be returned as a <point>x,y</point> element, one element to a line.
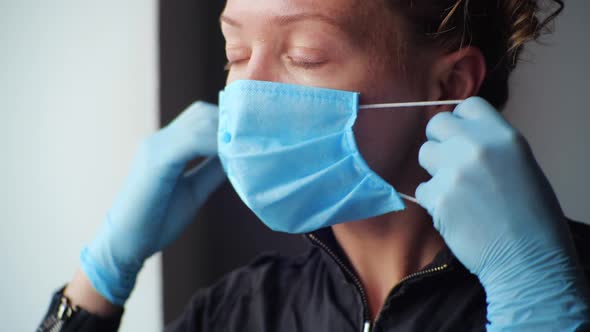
<point>340,11</point>
<point>361,21</point>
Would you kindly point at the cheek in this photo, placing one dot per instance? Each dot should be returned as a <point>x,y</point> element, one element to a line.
<point>385,139</point>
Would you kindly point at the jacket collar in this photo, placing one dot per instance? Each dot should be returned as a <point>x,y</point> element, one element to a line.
<point>324,239</point>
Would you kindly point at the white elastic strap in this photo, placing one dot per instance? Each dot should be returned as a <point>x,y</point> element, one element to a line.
<point>412,104</point>
<point>409,198</point>
<point>195,169</point>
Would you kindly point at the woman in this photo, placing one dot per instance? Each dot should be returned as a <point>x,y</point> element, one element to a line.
<point>483,245</point>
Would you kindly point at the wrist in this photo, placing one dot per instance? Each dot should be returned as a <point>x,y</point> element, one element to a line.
<point>82,294</point>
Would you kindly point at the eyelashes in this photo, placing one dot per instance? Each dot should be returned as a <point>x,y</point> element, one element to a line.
<point>302,64</point>
<point>306,64</point>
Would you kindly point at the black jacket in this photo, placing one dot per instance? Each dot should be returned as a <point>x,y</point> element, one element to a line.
<point>319,291</point>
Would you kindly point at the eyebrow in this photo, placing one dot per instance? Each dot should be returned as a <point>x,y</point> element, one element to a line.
<point>287,19</point>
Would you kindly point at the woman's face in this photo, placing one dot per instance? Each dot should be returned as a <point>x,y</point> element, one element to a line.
<point>353,45</point>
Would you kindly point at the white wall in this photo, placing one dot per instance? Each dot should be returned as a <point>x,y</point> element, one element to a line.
<point>549,103</point>
<point>78,90</point>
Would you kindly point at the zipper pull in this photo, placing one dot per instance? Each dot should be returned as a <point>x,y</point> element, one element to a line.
<point>367,326</point>
<point>56,321</point>
<point>64,311</point>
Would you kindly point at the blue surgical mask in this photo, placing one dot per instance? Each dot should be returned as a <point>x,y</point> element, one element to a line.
<point>290,153</point>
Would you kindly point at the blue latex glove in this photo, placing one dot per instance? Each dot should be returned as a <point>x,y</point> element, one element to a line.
<point>157,201</point>
<point>498,214</point>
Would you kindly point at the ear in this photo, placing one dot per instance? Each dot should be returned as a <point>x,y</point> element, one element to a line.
<point>458,75</point>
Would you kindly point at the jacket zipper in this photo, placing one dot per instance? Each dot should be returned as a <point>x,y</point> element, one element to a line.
<point>368,325</point>
<point>425,272</point>
<point>432,270</point>
<point>355,279</point>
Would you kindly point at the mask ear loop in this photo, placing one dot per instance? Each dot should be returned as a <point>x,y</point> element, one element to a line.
<point>411,104</point>
<point>408,198</point>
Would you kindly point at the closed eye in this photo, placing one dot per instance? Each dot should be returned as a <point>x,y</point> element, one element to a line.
<point>305,64</point>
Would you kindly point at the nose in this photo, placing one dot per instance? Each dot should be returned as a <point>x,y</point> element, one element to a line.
<point>261,66</point>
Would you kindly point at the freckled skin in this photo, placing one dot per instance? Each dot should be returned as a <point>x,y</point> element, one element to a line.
<point>357,57</point>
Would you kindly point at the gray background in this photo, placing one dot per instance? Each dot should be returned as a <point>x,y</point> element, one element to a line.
<point>549,104</point>
<point>78,92</point>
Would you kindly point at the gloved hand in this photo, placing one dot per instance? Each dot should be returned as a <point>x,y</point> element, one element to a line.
<point>499,216</point>
<point>157,201</point>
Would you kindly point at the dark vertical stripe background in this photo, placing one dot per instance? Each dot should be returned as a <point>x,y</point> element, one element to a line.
<point>226,234</point>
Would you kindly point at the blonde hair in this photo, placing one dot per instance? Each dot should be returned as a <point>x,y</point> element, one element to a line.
<point>499,28</point>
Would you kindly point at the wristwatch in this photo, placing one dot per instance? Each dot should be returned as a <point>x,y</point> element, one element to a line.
<point>62,316</point>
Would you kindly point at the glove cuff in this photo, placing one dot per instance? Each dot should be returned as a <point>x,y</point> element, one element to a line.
<point>553,295</point>
<point>112,282</point>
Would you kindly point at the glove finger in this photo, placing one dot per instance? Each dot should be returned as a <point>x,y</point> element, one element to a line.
<point>443,126</point>
<point>204,126</point>
<point>426,195</point>
<point>193,189</point>
<point>431,157</point>
<point>476,108</point>
<point>431,194</point>
<point>205,179</point>
<point>194,132</point>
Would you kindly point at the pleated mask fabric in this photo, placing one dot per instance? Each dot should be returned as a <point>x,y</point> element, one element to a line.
<point>290,153</point>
